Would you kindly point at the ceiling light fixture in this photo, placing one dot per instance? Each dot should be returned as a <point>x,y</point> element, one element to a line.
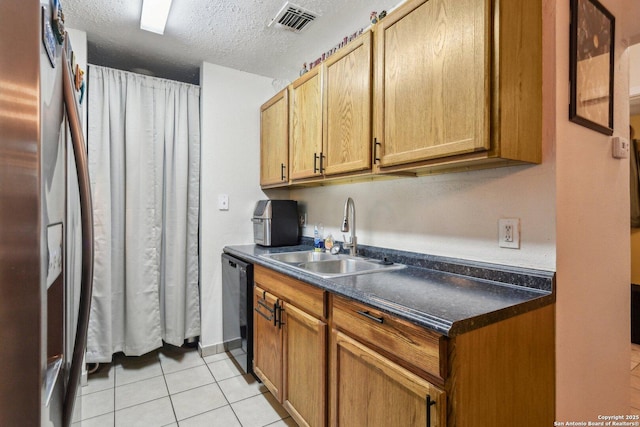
<point>154,15</point>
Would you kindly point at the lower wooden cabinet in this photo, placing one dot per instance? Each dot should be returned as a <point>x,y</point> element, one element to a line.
<point>267,333</point>
<point>290,345</point>
<point>501,374</point>
<point>368,389</point>
<point>385,371</point>
<point>304,367</point>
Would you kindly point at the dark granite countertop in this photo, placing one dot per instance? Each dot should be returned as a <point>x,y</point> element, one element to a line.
<point>447,295</point>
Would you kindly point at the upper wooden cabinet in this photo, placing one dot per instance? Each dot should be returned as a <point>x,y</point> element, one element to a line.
<point>431,87</point>
<point>305,137</point>
<point>274,141</point>
<point>435,86</point>
<point>330,107</point>
<point>347,108</point>
<point>458,84</point>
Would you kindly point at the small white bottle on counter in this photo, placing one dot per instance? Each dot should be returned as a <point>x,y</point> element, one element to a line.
<point>318,236</point>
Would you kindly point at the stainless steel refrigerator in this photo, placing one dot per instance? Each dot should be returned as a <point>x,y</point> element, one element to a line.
<point>46,234</point>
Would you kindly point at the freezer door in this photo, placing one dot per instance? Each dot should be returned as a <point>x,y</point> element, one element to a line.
<point>32,215</point>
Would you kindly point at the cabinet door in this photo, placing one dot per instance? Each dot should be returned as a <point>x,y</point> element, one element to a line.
<point>432,80</point>
<point>274,141</point>
<point>304,367</point>
<point>347,108</point>
<point>368,389</point>
<point>267,344</point>
<point>306,126</point>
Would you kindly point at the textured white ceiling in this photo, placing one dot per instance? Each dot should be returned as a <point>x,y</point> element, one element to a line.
<point>231,34</point>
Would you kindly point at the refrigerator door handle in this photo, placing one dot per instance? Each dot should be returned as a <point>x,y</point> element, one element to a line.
<point>86,214</point>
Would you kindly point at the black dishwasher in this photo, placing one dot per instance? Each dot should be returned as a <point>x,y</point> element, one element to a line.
<point>237,310</point>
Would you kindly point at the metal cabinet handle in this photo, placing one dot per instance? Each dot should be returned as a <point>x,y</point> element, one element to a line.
<point>282,169</point>
<point>430,403</point>
<point>269,318</point>
<point>317,157</point>
<point>279,310</point>
<point>262,303</point>
<point>376,144</point>
<point>371,316</point>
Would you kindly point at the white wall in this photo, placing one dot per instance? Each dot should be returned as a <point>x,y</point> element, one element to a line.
<point>452,215</point>
<point>230,164</point>
<point>634,78</point>
<point>593,268</point>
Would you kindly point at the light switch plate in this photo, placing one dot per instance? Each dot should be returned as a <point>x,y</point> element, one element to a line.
<point>509,233</point>
<point>223,202</point>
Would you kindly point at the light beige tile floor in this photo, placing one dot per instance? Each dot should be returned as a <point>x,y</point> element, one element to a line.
<point>176,387</point>
<point>635,379</point>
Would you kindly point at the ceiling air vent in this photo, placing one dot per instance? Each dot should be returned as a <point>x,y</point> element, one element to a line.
<point>293,18</point>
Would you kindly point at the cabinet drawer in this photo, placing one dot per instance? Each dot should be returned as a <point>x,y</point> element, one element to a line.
<point>407,344</point>
<point>369,389</point>
<point>304,296</point>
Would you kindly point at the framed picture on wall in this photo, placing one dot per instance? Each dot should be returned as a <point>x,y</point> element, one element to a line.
<point>591,65</point>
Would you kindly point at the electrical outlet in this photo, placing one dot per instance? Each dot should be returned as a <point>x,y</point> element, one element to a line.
<point>509,233</point>
<point>302,219</point>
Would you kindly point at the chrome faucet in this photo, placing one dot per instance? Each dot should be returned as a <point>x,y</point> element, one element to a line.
<point>350,212</point>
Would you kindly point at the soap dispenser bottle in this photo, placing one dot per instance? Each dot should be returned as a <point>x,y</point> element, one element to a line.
<point>318,243</point>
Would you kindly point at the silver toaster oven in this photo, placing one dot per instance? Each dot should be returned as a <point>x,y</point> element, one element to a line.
<point>275,223</point>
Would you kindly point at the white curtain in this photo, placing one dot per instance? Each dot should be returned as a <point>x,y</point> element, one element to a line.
<point>144,160</point>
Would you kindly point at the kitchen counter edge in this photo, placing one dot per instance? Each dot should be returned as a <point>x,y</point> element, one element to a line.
<point>543,286</point>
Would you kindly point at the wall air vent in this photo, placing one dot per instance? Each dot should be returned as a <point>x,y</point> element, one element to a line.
<point>293,18</point>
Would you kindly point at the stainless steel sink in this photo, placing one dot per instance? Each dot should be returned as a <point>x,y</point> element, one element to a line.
<point>326,265</point>
<point>299,257</point>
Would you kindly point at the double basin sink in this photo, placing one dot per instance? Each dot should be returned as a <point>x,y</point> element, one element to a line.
<point>326,265</point>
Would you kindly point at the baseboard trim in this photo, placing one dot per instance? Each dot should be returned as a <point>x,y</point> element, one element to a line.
<point>210,350</point>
